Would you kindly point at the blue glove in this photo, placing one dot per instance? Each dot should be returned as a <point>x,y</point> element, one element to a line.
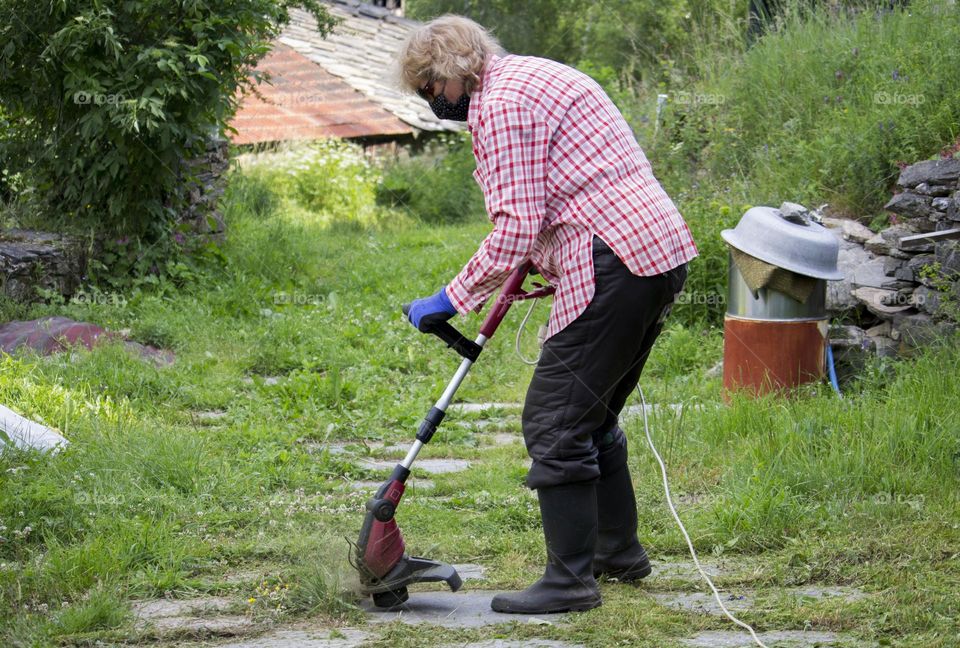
<point>427,311</point>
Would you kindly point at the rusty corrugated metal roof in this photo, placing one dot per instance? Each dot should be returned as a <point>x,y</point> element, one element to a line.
<point>303,101</point>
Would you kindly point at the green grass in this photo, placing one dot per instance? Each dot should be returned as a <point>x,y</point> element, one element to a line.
<point>152,499</point>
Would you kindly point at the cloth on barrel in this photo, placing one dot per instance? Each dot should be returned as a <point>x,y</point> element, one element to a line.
<point>759,274</point>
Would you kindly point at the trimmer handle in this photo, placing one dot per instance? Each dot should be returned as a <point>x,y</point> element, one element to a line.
<point>454,338</point>
<point>511,292</point>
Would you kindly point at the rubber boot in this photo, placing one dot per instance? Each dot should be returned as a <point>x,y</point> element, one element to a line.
<point>618,554</point>
<point>569,514</point>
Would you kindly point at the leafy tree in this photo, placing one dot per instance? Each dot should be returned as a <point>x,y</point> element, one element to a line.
<point>101,100</point>
<point>634,37</point>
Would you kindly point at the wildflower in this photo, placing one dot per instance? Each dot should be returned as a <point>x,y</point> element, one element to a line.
<point>896,75</point>
<point>838,75</point>
<point>251,600</point>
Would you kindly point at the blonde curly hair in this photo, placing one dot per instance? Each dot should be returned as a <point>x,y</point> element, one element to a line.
<point>448,47</point>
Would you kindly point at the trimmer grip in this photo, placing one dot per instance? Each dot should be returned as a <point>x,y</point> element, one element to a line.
<point>446,332</point>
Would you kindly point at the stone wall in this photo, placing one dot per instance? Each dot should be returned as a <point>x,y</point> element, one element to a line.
<point>209,171</point>
<point>31,260</point>
<point>899,294</point>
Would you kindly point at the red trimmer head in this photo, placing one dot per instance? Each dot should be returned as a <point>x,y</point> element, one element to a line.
<point>385,569</point>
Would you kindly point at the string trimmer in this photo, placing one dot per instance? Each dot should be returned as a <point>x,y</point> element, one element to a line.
<point>379,555</point>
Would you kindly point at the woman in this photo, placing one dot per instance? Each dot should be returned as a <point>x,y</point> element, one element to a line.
<point>567,187</point>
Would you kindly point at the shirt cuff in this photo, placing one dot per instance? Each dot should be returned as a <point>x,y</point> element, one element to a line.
<point>462,299</point>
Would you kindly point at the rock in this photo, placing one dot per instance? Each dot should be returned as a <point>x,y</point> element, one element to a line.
<point>948,256</point>
<point>464,408</point>
<point>931,172</point>
<point>839,293</point>
<point>513,643</point>
<point>432,466</point>
<point>32,260</point>
<point>735,599</point>
<point>905,274</point>
<point>920,329</point>
<point>941,204</point>
<point>449,609</point>
<point>190,616</point>
<point>926,300</point>
<point>506,438</point>
<point>846,336</point>
<point>891,265</point>
<point>884,346</point>
<point>891,237</point>
<point>953,209</point>
<point>880,246</point>
<point>880,302</point>
<point>917,264</point>
<point>780,638</point>
<point>716,371</point>
<point>469,571</point>
<point>910,205</point>
<point>325,638</point>
<point>795,212</point>
<point>873,274</point>
<point>936,190</point>
<point>880,329</point>
<point>855,231</point>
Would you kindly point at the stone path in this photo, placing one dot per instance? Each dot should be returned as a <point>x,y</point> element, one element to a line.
<point>197,616</point>
<point>738,599</point>
<point>780,639</point>
<point>675,582</point>
<point>432,466</point>
<point>507,643</point>
<point>463,609</point>
<point>325,638</point>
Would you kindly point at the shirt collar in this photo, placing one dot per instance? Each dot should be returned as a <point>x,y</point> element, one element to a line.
<point>476,99</point>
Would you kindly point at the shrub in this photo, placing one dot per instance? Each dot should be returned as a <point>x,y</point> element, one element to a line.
<point>104,99</point>
<point>332,178</point>
<point>436,186</point>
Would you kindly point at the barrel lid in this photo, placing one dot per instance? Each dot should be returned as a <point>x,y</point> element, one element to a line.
<point>788,239</point>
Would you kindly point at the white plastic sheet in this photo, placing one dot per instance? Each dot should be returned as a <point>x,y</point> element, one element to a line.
<point>26,434</point>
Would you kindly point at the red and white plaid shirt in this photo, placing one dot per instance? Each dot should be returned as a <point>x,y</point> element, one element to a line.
<point>558,164</point>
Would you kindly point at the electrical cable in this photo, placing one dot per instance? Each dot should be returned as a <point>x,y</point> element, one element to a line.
<point>833,371</point>
<point>523,325</point>
<point>696,561</point>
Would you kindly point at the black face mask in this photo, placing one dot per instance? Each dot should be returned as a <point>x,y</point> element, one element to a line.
<point>444,109</point>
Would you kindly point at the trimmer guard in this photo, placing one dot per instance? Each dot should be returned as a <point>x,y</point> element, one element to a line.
<point>412,569</point>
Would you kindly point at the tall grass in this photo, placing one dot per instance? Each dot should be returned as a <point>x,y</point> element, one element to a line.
<point>822,108</point>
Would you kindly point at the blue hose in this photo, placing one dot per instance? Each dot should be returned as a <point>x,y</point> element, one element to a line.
<point>832,371</point>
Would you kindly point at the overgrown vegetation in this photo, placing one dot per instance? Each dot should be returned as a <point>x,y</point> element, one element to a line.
<point>225,474</point>
<point>100,104</point>
<point>820,110</point>
<point>154,496</point>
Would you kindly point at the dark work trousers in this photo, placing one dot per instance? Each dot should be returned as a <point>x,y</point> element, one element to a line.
<point>588,369</point>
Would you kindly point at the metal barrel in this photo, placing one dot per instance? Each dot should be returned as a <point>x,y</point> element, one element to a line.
<point>771,341</point>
